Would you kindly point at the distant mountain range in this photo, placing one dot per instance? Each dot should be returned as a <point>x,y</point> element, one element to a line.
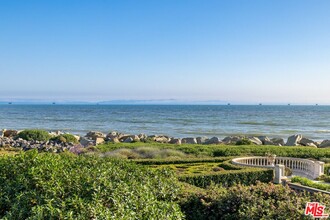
<point>117,102</point>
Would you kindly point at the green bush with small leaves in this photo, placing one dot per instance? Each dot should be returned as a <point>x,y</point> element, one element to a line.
<point>260,201</point>
<point>229,178</point>
<point>244,141</point>
<point>34,135</point>
<point>65,186</point>
<point>307,182</point>
<point>65,138</point>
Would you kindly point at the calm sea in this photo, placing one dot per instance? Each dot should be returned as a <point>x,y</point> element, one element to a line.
<point>173,120</point>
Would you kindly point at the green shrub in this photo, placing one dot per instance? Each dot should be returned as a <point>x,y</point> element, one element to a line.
<point>307,182</point>
<point>324,178</point>
<point>34,134</point>
<point>181,161</point>
<point>65,138</point>
<point>230,177</point>
<point>327,169</point>
<point>64,186</point>
<point>244,141</point>
<point>261,201</point>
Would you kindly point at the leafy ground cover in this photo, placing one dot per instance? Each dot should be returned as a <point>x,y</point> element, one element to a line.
<point>65,186</point>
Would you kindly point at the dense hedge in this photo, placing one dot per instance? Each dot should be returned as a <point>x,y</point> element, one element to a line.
<point>65,138</point>
<point>34,135</point>
<point>181,161</point>
<point>57,186</point>
<point>230,177</point>
<point>327,169</point>
<point>307,182</point>
<point>228,150</point>
<point>261,201</point>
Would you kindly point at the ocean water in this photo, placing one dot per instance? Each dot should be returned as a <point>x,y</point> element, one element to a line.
<point>173,120</point>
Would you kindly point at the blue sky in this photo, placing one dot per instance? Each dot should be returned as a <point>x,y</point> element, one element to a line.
<point>235,51</point>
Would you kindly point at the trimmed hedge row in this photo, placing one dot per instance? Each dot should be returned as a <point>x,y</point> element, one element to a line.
<point>327,169</point>
<point>307,182</point>
<point>260,201</point>
<point>181,161</point>
<point>231,177</point>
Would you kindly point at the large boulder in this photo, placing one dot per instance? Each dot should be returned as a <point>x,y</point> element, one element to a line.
<point>307,142</point>
<point>99,140</point>
<point>86,142</point>
<point>2,133</point>
<point>129,140</point>
<point>10,133</point>
<point>325,144</point>
<point>294,140</point>
<point>95,134</point>
<point>231,139</point>
<point>112,134</point>
<point>265,140</point>
<point>278,141</point>
<point>189,140</point>
<point>175,141</point>
<point>201,140</point>
<point>255,140</point>
<point>161,139</point>
<point>213,140</point>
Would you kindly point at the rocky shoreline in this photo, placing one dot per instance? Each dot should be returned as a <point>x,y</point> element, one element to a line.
<point>9,138</point>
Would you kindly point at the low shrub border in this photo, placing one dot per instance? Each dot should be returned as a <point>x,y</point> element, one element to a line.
<point>181,161</point>
<point>231,177</point>
<point>307,182</point>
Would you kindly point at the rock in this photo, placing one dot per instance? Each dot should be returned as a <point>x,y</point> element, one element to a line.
<point>115,140</point>
<point>10,133</point>
<point>86,142</point>
<point>311,145</point>
<point>99,140</point>
<point>306,142</point>
<point>189,141</point>
<point>175,141</point>
<point>213,140</point>
<point>95,134</point>
<point>161,139</point>
<point>77,137</point>
<point>294,140</point>
<point>135,138</point>
<point>231,139</point>
<point>201,140</point>
<point>56,133</point>
<point>325,144</point>
<point>278,141</point>
<point>129,140</point>
<point>2,133</point>
<point>112,134</point>
<point>265,140</point>
<point>142,137</point>
<point>255,140</point>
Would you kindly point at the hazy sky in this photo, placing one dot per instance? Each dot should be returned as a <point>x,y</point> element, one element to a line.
<point>274,51</point>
